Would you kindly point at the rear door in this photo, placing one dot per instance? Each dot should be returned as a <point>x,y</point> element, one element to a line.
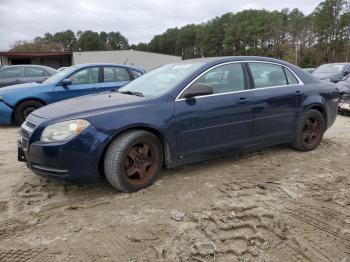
<point>11,76</point>
<point>214,122</point>
<point>34,74</point>
<point>115,77</point>
<point>277,96</point>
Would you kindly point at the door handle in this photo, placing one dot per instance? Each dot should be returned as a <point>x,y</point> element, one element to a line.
<point>243,100</point>
<point>299,93</point>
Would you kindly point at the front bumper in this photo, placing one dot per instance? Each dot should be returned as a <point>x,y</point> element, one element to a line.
<point>5,114</point>
<point>74,161</point>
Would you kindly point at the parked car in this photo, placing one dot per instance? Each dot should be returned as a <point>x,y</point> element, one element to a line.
<point>178,114</point>
<point>309,70</point>
<point>344,104</point>
<point>344,85</point>
<point>18,101</point>
<point>18,74</point>
<point>332,72</point>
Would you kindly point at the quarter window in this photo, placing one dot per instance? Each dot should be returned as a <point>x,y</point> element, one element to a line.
<point>135,73</point>
<point>267,75</point>
<point>85,76</point>
<point>225,78</point>
<point>14,72</point>
<point>292,80</point>
<point>115,74</point>
<point>33,72</point>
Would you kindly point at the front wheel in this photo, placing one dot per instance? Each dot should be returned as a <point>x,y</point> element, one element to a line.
<point>24,109</point>
<point>133,161</point>
<point>309,131</point>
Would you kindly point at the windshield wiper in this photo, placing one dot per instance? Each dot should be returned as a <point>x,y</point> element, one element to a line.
<point>128,92</point>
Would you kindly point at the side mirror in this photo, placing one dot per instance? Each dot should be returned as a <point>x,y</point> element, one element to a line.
<point>198,89</point>
<point>66,82</point>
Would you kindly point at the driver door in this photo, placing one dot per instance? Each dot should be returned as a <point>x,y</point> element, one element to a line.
<point>214,122</point>
<point>84,82</point>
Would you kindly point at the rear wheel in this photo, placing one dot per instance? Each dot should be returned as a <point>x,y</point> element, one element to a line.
<point>309,131</point>
<point>133,161</point>
<point>26,108</point>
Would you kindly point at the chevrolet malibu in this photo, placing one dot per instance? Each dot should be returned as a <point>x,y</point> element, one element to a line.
<point>18,101</point>
<point>178,114</point>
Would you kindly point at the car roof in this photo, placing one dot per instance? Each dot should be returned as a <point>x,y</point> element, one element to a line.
<point>27,65</point>
<point>223,59</point>
<point>40,66</point>
<point>109,64</point>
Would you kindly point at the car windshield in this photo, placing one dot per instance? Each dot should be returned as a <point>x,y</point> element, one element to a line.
<point>160,80</point>
<point>60,75</point>
<point>329,69</point>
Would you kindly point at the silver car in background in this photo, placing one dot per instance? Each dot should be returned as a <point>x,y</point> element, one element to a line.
<point>19,74</point>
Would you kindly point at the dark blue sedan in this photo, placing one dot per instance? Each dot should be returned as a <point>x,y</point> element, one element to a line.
<point>18,101</point>
<point>178,114</point>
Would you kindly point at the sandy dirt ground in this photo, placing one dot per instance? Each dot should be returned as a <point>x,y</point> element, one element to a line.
<point>273,205</point>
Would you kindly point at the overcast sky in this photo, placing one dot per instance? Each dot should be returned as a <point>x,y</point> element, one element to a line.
<point>138,20</point>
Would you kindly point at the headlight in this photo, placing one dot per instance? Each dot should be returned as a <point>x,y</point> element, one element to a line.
<point>2,97</point>
<point>64,131</point>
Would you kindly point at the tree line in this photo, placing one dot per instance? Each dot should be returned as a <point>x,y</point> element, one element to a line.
<point>306,40</point>
<point>70,41</point>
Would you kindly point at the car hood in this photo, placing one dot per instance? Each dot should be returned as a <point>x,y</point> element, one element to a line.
<point>20,86</point>
<point>322,76</point>
<point>86,105</point>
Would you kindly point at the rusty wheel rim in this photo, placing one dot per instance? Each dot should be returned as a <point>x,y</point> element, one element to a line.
<point>312,131</point>
<point>141,163</point>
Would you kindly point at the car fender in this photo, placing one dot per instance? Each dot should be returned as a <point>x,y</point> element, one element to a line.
<point>319,102</point>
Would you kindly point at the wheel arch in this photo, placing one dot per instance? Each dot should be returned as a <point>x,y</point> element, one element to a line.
<point>161,137</point>
<point>24,100</point>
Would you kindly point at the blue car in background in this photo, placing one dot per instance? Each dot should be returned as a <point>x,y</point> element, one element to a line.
<point>18,101</point>
<point>178,114</point>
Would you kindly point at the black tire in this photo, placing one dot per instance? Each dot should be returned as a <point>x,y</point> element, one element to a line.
<point>127,164</point>
<point>309,131</point>
<point>24,109</point>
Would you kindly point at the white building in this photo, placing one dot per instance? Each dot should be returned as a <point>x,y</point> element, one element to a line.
<point>146,60</point>
<point>56,60</point>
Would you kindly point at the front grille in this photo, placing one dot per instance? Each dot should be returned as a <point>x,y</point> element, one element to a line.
<point>31,125</point>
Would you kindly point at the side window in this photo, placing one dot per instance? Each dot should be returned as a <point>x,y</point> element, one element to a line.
<point>135,73</point>
<point>115,74</point>
<point>292,80</point>
<point>85,76</point>
<point>14,72</point>
<point>33,72</point>
<point>225,78</point>
<point>267,75</point>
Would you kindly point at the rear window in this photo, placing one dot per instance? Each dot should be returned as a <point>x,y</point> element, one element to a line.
<point>33,72</point>
<point>269,75</point>
<point>115,74</point>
